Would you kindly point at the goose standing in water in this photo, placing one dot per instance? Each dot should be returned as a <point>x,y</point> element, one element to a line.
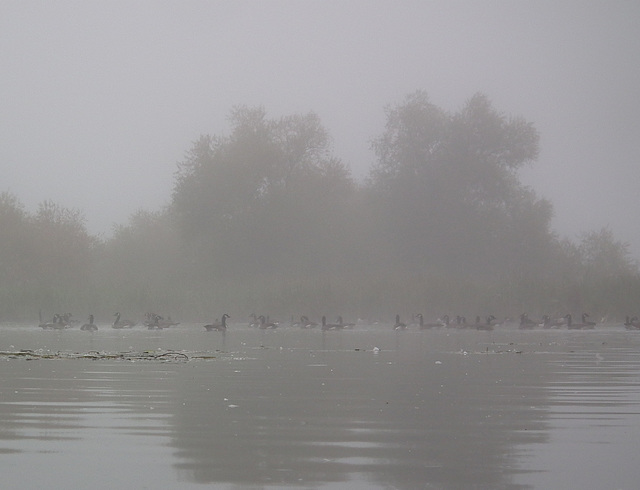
<point>59,322</point>
<point>461,322</point>
<point>548,322</point>
<point>89,326</point>
<point>66,317</point>
<point>169,322</point>
<point>56,324</point>
<point>526,322</point>
<point>443,322</point>
<point>255,323</point>
<point>488,325</point>
<point>569,319</point>
<point>399,325</point>
<point>48,325</point>
<point>220,327</point>
<point>117,323</point>
<point>330,326</point>
<point>632,323</point>
<point>586,322</point>
<point>579,326</point>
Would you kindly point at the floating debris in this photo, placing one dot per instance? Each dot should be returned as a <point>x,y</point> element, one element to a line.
<point>166,356</point>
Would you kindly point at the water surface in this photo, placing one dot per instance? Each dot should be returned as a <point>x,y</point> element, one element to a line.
<point>290,408</point>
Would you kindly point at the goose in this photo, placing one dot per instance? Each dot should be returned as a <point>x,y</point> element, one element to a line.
<point>548,322</point>
<point>399,325</point>
<point>305,323</point>
<point>526,322</point>
<point>578,326</point>
<point>569,319</point>
<point>48,325</point>
<point>461,322</point>
<point>154,321</point>
<point>488,325</point>
<point>345,325</point>
<point>117,323</point>
<point>444,322</point>
<point>59,322</point>
<point>587,323</point>
<point>169,322</point>
<point>330,326</point>
<point>89,326</point>
<point>632,323</point>
<point>255,323</point>
<point>68,320</point>
<point>265,324</point>
<point>220,327</point>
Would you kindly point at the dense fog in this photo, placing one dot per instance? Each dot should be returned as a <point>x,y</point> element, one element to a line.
<point>268,218</point>
<point>359,158</point>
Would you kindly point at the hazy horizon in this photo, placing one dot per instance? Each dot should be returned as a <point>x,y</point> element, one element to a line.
<point>100,101</point>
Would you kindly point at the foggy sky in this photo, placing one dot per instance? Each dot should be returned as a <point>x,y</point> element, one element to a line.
<point>99,100</point>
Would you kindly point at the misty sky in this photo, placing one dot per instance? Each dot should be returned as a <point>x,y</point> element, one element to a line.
<point>99,100</point>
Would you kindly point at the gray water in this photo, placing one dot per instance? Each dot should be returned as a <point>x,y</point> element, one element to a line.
<point>291,408</point>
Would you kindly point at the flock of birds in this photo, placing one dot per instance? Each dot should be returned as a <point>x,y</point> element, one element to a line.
<point>63,321</point>
<point>525,323</point>
<point>154,321</point>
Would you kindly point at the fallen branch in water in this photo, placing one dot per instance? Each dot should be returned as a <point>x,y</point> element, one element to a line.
<point>28,354</point>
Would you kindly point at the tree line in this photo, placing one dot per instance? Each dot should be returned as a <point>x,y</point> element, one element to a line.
<point>268,219</point>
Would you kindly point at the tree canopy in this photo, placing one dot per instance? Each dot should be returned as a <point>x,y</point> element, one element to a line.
<point>447,185</point>
<point>267,217</point>
<point>269,197</point>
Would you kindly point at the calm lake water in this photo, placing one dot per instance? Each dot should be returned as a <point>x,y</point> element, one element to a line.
<point>290,408</point>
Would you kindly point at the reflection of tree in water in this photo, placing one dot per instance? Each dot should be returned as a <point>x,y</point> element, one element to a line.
<point>280,419</point>
<point>273,435</point>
